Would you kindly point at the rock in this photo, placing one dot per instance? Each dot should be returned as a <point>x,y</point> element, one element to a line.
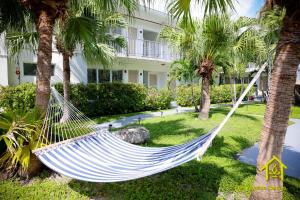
<point>133,135</point>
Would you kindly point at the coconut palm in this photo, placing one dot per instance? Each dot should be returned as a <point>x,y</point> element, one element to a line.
<point>45,13</point>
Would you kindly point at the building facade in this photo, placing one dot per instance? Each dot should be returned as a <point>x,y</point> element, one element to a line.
<point>145,60</point>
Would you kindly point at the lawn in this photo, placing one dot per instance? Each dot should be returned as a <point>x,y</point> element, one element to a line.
<point>217,175</point>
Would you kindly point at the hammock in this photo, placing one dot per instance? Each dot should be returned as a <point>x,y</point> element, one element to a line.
<point>73,145</point>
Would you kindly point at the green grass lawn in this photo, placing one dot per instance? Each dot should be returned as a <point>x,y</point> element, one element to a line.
<point>217,176</point>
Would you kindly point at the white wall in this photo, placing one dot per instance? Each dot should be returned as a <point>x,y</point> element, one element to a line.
<point>298,76</point>
<point>3,62</point>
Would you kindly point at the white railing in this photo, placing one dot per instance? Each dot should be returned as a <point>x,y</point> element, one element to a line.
<point>147,49</point>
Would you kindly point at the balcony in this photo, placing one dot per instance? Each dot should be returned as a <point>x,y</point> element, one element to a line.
<point>147,49</point>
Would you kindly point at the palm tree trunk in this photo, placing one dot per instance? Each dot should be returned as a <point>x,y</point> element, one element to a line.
<point>44,27</point>
<point>66,85</point>
<point>278,107</point>
<point>205,97</point>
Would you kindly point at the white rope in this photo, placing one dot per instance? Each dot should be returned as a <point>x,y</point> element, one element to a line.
<point>236,105</point>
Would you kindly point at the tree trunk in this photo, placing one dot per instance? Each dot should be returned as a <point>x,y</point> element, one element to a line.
<point>66,85</point>
<point>193,99</point>
<point>205,98</point>
<point>278,107</point>
<point>232,91</point>
<point>44,25</point>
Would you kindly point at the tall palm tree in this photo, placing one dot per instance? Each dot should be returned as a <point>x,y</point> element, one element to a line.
<point>45,13</point>
<point>87,31</point>
<point>287,59</point>
<point>285,64</point>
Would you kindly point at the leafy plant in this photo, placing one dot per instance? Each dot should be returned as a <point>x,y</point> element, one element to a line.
<point>21,97</point>
<point>20,132</point>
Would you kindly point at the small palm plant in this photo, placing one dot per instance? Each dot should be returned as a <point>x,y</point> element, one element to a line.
<point>20,132</point>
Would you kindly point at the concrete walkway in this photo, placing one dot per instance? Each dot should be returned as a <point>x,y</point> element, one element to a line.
<point>290,155</point>
<point>134,119</point>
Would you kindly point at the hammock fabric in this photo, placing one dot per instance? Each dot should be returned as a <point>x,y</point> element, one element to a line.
<point>102,157</point>
<point>79,149</point>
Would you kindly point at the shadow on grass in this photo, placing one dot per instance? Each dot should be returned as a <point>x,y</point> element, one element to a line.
<point>225,111</point>
<point>194,180</point>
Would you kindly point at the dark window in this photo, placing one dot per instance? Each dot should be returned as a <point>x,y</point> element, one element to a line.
<point>30,69</point>
<point>104,76</point>
<point>117,76</point>
<point>92,76</point>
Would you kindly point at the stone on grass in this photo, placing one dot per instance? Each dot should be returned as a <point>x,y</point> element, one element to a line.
<point>133,135</point>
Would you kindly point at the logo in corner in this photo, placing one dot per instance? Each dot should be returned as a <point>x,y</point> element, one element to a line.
<point>274,168</point>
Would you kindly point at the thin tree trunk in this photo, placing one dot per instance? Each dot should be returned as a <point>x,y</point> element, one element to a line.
<point>193,99</point>
<point>205,98</point>
<point>234,90</point>
<point>278,107</point>
<point>44,27</point>
<point>231,90</point>
<point>66,85</point>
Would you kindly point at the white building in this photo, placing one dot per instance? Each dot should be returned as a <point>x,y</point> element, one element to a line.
<point>146,60</point>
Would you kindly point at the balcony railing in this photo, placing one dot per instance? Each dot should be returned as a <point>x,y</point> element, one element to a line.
<point>147,49</point>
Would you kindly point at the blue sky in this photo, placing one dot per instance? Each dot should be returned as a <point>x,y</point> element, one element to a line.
<point>249,8</point>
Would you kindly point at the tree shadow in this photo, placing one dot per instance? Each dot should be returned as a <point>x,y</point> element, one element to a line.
<point>225,112</point>
<point>194,180</point>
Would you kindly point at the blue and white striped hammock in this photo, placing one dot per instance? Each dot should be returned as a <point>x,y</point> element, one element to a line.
<point>78,149</point>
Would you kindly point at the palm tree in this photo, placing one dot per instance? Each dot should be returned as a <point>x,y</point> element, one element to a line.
<point>184,70</point>
<point>201,44</point>
<point>89,32</point>
<point>45,14</point>
<point>281,90</point>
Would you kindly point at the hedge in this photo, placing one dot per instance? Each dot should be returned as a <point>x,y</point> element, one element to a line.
<point>219,94</point>
<point>94,99</point>
<point>18,97</point>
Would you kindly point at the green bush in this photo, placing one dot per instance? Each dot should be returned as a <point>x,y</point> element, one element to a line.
<point>218,94</point>
<point>93,99</point>
<point>116,98</point>
<point>158,99</point>
<point>21,97</point>
<point>184,95</point>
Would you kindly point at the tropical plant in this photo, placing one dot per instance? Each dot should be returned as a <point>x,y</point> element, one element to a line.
<point>44,14</point>
<point>89,32</point>
<point>183,70</point>
<point>276,117</point>
<point>202,45</point>
<point>20,132</point>
<point>283,80</point>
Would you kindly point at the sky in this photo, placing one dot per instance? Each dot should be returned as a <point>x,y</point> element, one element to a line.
<point>249,8</point>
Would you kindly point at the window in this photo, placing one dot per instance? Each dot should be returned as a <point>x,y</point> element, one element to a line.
<point>92,76</point>
<point>30,69</point>
<point>116,30</point>
<point>117,76</point>
<point>104,76</point>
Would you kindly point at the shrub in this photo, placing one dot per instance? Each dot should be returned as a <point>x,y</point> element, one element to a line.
<point>184,95</point>
<point>116,98</point>
<point>20,133</point>
<point>21,97</point>
<point>218,94</point>
<point>158,99</point>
